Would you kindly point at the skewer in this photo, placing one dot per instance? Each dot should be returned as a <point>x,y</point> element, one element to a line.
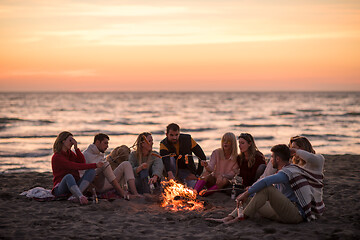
<point>218,190</point>
<point>169,155</point>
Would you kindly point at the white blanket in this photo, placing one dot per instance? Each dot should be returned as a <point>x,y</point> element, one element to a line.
<point>38,192</point>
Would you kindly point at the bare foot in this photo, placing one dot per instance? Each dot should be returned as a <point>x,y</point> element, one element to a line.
<point>134,196</point>
<point>237,219</point>
<point>220,220</point>
<point>83,200</point>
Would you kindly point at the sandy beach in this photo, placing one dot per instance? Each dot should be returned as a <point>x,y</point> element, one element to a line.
<point>24,218</point>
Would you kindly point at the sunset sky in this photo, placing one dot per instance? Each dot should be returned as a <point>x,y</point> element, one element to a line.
<point>180,45</point>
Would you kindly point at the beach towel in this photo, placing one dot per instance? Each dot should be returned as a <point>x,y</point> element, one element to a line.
<point>308,188</point>
<point>43,195</point>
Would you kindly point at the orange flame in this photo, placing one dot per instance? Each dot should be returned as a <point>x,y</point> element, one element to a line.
<point>177,197</point>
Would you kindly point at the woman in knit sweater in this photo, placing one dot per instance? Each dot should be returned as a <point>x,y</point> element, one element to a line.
<point>66,165</point>
<point>147,165</point>
<point>304,155</point>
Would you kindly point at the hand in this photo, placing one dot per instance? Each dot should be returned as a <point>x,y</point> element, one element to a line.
<point>292,151</point>
<point>153,179</point>
<point>227,176</point>
<point>144,166</point>
<point>74,142</point>
<point>171,175</point>
<point>204,163</point>
<point>99,164</point>
<point>242,198</point>
<point>221,182</point>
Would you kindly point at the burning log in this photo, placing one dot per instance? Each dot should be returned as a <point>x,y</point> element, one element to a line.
<point>177,197</point>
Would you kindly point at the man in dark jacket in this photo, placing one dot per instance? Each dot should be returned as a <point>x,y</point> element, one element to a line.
<point>176,151</point>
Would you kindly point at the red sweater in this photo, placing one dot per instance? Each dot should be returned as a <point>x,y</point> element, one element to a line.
<point>68,162</point>
<point>248,174</point>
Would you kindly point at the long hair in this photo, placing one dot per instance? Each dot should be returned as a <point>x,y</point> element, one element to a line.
<point>304,144</point>
<point>118,155</point>
<point>58,144</point>
<point>229,137</point>
<point>252,150</point>
<point>138,146</point>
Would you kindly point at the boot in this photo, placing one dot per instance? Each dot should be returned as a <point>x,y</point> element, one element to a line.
<point>199,185</point>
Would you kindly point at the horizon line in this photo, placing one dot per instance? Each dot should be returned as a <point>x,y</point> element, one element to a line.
<point>191,91</point>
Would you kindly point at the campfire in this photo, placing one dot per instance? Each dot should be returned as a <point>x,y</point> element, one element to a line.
<point>177,197</point>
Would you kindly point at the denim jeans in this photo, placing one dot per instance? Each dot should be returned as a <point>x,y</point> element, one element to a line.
<point>68,181</point>
<point>141,182</point>
<point>182,173</point>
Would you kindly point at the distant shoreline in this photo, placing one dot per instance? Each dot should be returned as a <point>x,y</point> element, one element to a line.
<point>205,91</point>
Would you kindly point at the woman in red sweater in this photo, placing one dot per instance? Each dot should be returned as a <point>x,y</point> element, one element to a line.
<point>65,165</point>
<point>251,160</point>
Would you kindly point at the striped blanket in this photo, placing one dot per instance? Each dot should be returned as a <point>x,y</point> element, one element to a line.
<point>308,188</point>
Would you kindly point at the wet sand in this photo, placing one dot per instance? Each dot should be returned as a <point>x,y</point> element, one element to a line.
<point>23,218</point>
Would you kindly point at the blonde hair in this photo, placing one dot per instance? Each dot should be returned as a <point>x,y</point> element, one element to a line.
<point>229,137</point>
<point>138,146</point>
<point>118,155</point>
<point>58,144</point>
<point>304,144</point>
<point>252,150</point>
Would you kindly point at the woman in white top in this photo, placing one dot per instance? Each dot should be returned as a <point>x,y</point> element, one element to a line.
<point>222,166</point>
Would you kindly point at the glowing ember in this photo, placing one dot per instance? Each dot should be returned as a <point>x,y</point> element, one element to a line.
<point>177,197</point>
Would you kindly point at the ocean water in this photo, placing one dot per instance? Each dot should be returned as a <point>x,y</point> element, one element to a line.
<point>30,122</point>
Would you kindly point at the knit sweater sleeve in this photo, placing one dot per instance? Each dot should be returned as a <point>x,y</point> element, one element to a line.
<point>157,166</point>
<point>212,162</point>
<point>280,177</point>
<point>76,161</point>
<point>134,162</point>
<point>313,161</point>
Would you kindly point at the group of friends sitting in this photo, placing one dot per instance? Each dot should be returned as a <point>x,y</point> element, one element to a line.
<point>288,188</point>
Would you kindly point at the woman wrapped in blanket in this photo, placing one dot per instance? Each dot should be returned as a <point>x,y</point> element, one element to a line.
<point>305,156</point>
<point>65,165</point>
<point>147,165</point>
<point>222,166</point>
